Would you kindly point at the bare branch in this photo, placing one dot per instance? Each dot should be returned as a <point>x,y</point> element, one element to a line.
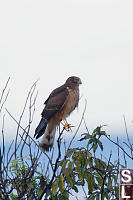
<point>2,95</point>
<point>126,130</point>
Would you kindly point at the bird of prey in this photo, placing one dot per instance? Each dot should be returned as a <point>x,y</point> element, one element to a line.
<point>60,103</point>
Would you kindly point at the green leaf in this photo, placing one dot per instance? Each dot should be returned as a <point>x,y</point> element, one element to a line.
<point>94,147</point>
<point>89,142</point>
<point>89,154</point>
<point>66,171</point>
<point>115,179</point>
<point>55,186</point>
<point>30,185</point>
<point>106,193</point>
<point>109,184</point>
<point>69,153</point>
<point>86,136</point>
<point>117,191</point>
<point>75,189</point>
<point>70,166</point>
<point>100,144</point>
<point>63,197</point>
<point>61,184</point>
<point>92,197</point>
<point>103,133</point>
<point>63,164</point>
<point>96,131</point>
<point>90,180</point>
<point>14,196</point>
<point>70,181</point>
<point>99,180</point>
<point>90,161</point>
<point>100,164</point>
<point>39,191</point>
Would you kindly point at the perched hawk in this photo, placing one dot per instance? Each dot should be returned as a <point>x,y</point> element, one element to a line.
<point>60,103</point>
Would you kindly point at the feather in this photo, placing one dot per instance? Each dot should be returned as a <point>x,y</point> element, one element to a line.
<point>40,128</point>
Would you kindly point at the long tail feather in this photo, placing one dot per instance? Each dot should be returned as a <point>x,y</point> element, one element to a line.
<point>40,128</point>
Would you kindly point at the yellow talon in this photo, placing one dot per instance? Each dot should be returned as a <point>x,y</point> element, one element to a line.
<point>66,125</point>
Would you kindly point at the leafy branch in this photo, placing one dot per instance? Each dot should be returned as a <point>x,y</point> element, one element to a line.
<point>28,173</point>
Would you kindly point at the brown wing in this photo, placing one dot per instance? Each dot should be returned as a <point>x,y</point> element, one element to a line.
<point>55,102</point>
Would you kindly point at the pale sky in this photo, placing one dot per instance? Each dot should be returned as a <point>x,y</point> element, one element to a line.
<point>52,40</point>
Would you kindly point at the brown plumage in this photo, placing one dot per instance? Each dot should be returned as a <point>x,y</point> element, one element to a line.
<point>60,103</point>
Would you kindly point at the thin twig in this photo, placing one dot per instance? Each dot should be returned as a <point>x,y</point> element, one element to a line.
<point>126,131</point>
<point>78,126</point>
<point>84,192</point>
<point>104,178</point>
<point>119,146</point>
<point>2,95</point>
<point>30,92</point>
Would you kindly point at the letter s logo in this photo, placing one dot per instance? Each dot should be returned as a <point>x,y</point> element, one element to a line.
<point>126,173</point>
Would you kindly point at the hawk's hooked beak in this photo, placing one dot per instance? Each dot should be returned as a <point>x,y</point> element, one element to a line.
<point>80,81</point>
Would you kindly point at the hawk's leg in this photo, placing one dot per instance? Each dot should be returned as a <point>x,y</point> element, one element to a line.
<point>66,125</point>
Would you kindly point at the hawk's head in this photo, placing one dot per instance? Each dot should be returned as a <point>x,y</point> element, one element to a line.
<point>73,81</point>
